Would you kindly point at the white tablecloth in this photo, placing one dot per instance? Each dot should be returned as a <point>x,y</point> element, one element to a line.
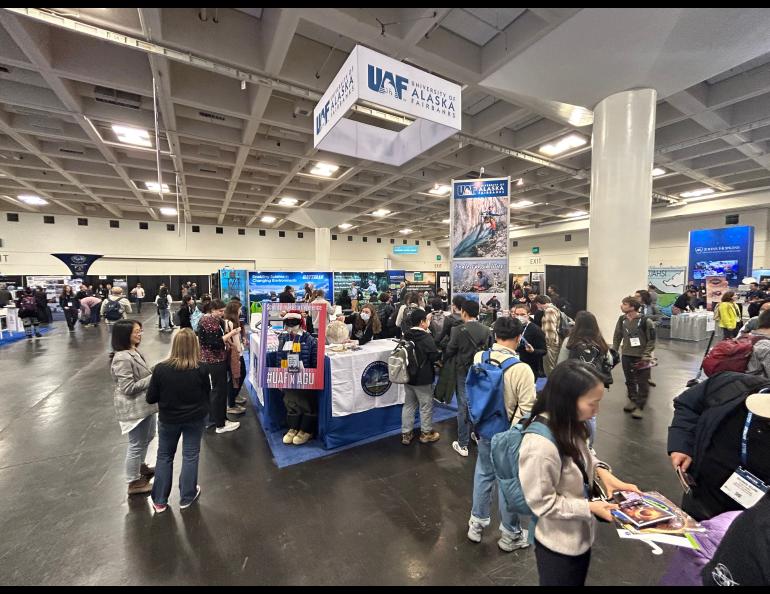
<point>353,374</point>
<point>692,326</point>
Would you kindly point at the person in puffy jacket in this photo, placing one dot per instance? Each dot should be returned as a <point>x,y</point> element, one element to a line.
<point>70,305</point>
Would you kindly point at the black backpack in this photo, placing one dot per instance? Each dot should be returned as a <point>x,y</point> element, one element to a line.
<point>114,310</point>
<point>162,301</point>
<point>406,321</point>
<point>591,354</point>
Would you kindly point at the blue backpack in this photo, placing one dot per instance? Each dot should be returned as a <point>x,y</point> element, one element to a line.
<point>486,401</point>
<point>505,461</point>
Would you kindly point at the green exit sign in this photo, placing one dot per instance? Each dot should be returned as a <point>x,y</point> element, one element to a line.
<point>438,258</point>
<point>535,250</point>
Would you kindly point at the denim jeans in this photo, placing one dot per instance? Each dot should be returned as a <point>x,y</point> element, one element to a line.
<point>483,483</point>
<point>463,422</point>
<point>95,315</point>
<point>168,440</point>
<point>164,318</point>
<point>139,439</point>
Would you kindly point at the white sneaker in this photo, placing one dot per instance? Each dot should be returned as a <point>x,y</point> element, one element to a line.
<point>457,448</point>
<point>229,426</point>
<point>474,531</point>
<point>474,438</point>
<point>189,503</point>
<point>509,542</point>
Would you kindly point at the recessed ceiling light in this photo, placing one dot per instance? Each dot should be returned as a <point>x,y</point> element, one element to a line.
<point>32,200</point>
<point>572,141</point>
<point>440,190</point>
<point>345,226</point>
<point>405,231</point>
<point>324,169</point>
<point>268,219</point>
<point>696,193</point>
<point>522,204</point>
<point>153,187</point>
<point>135,136</point>
<point>381,212</point>
<point>446,221</point>
<point>658,171</point>
<point>576,213</point>
<point>520,181</point>
<point>288,202</point>
<point>168,211</point>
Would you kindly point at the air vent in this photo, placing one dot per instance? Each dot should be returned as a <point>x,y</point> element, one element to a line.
<point>220,231</point>
<point>5,69</point>
<point>732,219</point>
<point>196,229</point>
<point>300,235</point>
<point>82,222</point>
<point>49,220</point>
<point>515,244</point>
<point>12,217</point>
<point>282,234</point>
<point>144,226</point>
<point>119,98</point>
<point>212,116</point>
<point>417,242</point>
<point>71,151</point>
<point>366,239</point>
<point>379,240</point>
<point>170,227</point>
<point>262,233</point>
<point>114,224</point>
<point>207,170</point>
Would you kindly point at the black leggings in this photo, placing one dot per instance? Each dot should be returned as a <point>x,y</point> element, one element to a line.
<point>556,569</point>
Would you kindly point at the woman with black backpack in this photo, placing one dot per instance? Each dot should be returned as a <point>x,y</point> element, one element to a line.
<point>586,343</point>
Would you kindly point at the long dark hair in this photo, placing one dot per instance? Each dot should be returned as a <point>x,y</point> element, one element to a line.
<point>586,331</point>
<point>568,381</point>
<point>121,335</point>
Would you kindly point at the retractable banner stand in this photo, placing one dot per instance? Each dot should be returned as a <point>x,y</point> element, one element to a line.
<point>479,241</point>
<point>426,110</point>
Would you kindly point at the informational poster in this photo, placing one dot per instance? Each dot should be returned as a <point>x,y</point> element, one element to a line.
<point>266,286</point>
<point>724,252</point>
<point>233,283</point>
<point>716,286</point>
<point>280,363</point>
<point>53,285</point>
<point>367,285</point>
<point>479,241</point>
<point>668,283</point>
<point>395,278</point>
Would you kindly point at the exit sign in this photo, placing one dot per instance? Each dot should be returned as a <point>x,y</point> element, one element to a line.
<point>438,258</point>
<point>535,250</point>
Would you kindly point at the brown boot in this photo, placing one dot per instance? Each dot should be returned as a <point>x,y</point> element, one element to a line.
<point>429,437</point>
<point>147,472</point>
<point>139,487</point>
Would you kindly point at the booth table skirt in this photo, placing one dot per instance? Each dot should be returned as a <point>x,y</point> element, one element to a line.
<point>692,327</point>
<point>333,432</point>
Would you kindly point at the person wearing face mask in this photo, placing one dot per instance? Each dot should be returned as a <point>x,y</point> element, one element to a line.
<point>532,347</point>
<point>366,325</point>
<point>301,405</point>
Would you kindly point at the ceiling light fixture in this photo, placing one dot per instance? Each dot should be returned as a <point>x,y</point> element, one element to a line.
<point>135,136</point>
<point>520,182</point>
<point>567,143</point>
<point>697,193</point>
<point>345,226</point>
<point>32,200</point>
<point>576,213</point>
<point>405,231</point>
<point>324,169</point>
<point>381,212</point>
<point>446,221</point>
<point>268,219</point>
<point>440,190</point>
<point>522,204</point>
<point>153,187</point>
<point>658,171</point>
<point>288,202</point>
<point>168,211</point>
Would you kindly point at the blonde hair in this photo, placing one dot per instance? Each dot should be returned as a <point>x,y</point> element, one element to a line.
<point>185,351</point>
<point>551,320</point>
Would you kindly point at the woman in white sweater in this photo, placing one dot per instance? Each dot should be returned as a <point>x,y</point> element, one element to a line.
<point>557,476</point>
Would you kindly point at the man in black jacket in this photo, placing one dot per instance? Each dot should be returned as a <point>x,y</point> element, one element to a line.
<point>705,440</point>
<point>532,347</point>
<point>287,296</point>
<point>419,390</point>
<point>451,321</point>
<point>466,340</point>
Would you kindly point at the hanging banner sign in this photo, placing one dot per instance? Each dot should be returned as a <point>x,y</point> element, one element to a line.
<point>78,263</point>
<point>479,241</point>
<point>429,108</point>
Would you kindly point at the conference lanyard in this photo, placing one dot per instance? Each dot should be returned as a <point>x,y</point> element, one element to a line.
<point>745,441</point>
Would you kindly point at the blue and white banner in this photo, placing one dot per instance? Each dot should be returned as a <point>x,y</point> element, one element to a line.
<point>479,241</point>
<point>727,252</point>
<point>78,263</point>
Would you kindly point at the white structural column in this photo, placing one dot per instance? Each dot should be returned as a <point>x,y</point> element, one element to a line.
<point>621,201</point>
<point>323,248</point>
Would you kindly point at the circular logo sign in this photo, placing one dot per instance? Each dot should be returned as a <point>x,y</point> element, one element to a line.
<point>374,380</point>
<point>698,250</point>
<point>78,259</point>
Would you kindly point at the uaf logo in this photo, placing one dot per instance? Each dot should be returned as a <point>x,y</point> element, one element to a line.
<point>375,380</point>
<point>385,82</point>
<point>78,259</point>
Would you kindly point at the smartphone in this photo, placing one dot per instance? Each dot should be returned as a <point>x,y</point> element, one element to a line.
<point>685,480</point>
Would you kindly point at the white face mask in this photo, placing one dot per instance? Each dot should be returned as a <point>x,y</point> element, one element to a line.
<point>523,319</point>
<point>365,317</point>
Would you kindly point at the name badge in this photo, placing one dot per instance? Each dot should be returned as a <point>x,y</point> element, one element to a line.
<point>69,303</point>
<point>294,363</point>
<point>635,341</point>
<point>287,346</point>
<point>744,488</point>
